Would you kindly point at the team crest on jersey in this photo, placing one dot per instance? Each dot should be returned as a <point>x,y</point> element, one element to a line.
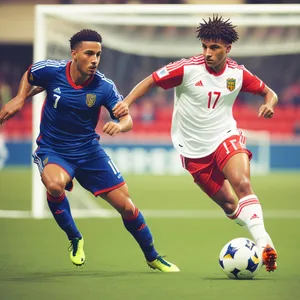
<point>90,99</point>
<point>230,83</point>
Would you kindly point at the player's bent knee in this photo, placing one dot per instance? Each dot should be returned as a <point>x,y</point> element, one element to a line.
<point>229,207</point>
<point>55,189</point>
<point>243,188</point>
<point>128,210</point>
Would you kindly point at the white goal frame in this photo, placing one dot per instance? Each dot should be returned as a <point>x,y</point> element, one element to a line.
<point>160,14</point>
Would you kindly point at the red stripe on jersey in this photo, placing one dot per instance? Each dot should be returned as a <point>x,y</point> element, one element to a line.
<point>171,75</point>
<point>184,62</point>
<point>233,64</point>
<point>231,61</point>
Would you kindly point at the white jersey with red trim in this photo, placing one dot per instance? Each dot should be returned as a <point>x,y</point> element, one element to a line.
<point>202,115</point>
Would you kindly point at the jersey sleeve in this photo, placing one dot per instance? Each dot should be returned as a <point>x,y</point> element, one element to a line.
<point>41,72</point>
<point>169,76</point>
<point>251,83</point>
<point>113,97</point>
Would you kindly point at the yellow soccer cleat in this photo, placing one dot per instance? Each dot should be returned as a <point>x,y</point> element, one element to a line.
<point>162,265</point>
<point>77,255</point>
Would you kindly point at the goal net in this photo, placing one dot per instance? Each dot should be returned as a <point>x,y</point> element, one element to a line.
<point>138,39</point>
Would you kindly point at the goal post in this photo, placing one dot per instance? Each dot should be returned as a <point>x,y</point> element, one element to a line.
<point>39,53</point>
<point>64,19</point>
<point>141,38</point>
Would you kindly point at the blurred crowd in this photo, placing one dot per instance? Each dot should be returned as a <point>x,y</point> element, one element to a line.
<point>280,72</point>
<point>97,1</point>
<point>152,114</point>
<point>123,2</point>
<point>146,1</point>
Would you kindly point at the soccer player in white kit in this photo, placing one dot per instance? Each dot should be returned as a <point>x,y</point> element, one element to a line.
<point>211,146</point>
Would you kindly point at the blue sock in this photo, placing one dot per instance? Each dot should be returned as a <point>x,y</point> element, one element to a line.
<point>61,212</point>
<point>137,226</point>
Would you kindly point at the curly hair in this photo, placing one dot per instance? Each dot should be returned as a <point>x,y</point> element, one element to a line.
<point>216,28</point>
<point>84,35</point>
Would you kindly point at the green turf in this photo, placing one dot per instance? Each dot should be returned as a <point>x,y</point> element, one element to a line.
<point>34,261</point>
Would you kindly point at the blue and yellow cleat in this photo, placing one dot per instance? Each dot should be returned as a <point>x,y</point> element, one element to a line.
<point>162,265</point>
<point>77,255</point>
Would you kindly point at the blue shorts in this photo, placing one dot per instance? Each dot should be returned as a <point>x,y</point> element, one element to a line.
<point>97,174</point>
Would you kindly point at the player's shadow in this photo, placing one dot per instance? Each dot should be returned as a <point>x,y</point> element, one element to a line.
<point>226,278</point>
<point>56,275</point>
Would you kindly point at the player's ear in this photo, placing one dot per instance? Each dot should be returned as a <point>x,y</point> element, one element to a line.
<point>74,54</point>
<point>228,48</point>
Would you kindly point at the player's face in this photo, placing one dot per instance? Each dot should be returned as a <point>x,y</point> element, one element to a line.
<point>87,57</point>
<point>215,53</point>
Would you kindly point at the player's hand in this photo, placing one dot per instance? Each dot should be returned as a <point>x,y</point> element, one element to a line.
<point>112,128</point>
<point>121,109</point>
<point>10,109</point>
<point>266,111</point>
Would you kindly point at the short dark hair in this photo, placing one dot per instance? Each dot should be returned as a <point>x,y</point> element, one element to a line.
<point>84,35</point>
<point>216,28</point>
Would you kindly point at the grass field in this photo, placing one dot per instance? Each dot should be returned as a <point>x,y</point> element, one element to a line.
<point>35,265</point>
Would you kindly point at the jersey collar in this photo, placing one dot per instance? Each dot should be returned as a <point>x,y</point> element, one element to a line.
<point>72,83</point>
<point>213,73</point>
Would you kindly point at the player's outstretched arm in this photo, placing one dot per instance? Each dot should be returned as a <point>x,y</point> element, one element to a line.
<point>112,128</point>
<point>16,104</point>
<point>138,91</point>
<point>271,99</point>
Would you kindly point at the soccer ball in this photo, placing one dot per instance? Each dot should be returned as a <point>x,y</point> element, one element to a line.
<point>240,259</point>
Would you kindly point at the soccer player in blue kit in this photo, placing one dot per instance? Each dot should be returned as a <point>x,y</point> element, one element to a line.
<point>68,145</point>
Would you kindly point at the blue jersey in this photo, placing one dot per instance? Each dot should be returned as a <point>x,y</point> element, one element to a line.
<point>70,112</point>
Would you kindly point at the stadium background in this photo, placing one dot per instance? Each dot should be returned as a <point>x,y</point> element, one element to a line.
<point>33,256</point>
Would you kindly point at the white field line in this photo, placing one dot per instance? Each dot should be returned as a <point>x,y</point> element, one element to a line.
<point>15,214</point>
<point>175,214</point>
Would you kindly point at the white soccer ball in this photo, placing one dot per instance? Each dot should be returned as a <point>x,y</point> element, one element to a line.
<point>240,259</point>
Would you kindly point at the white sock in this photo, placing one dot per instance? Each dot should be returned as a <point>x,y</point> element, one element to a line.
<point>250,216</point>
